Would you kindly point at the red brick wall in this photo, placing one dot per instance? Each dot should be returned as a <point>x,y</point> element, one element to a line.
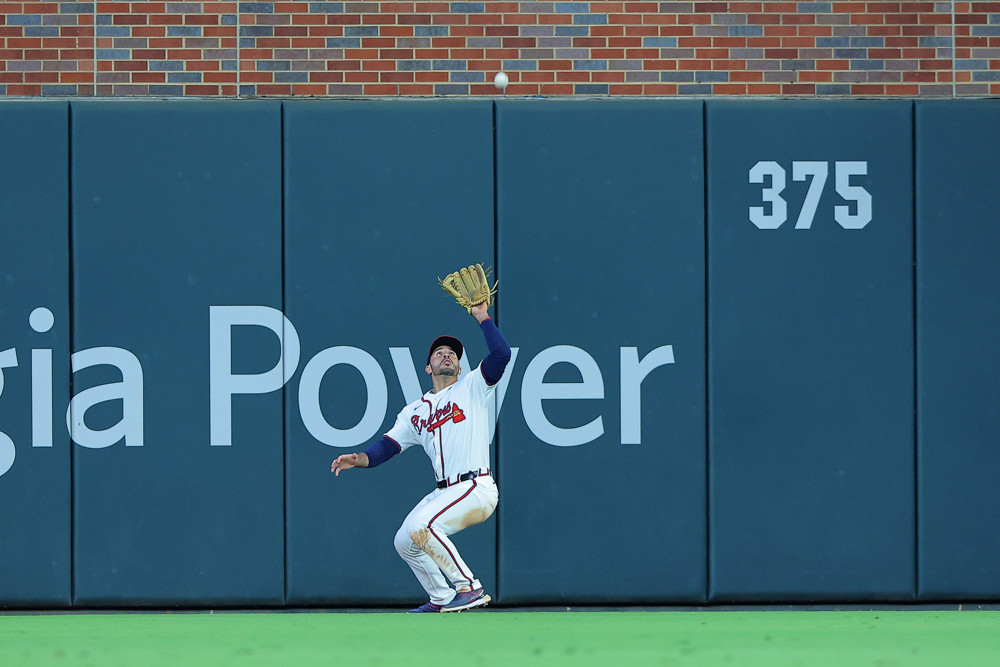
<point>323,48</point>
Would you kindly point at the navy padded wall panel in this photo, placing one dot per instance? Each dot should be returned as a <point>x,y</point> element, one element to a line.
<point>177,209</point>
<point>34,355</point>
<point>958,315</point>
<point>811,438</point>
<point>381,198</point>
<point>602,433</point>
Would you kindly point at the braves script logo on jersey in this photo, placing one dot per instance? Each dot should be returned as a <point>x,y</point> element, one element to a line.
<point>441,415</point>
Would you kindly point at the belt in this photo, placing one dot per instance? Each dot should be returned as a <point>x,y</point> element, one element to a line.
<point>464,477</point>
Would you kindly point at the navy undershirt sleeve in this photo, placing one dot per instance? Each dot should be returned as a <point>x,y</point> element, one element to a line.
<point>382,451</point>
<point>495,363</point>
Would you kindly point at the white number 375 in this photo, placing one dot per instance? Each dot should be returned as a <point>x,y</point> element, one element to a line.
<point>775,212</point>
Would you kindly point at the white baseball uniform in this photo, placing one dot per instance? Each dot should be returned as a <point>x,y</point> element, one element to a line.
<point>453,427</point>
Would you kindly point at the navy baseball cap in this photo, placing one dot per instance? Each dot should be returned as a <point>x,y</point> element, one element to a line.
<point>452,342</point>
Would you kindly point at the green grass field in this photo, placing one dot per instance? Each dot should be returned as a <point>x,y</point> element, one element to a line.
<point>773,638</point>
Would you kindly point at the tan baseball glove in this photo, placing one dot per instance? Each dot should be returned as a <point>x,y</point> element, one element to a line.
<point>470,286</point>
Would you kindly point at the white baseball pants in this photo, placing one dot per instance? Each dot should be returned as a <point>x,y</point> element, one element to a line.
<point>422,541</point>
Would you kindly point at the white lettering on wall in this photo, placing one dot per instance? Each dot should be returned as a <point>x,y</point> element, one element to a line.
<point>534,390</point>
<point>633,373</point>
<point>128,391</point>
<point>312,413</point>
<point>8,359</point>
<point>223,384</point>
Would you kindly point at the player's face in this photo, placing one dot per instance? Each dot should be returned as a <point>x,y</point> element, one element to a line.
<point>444,361</point>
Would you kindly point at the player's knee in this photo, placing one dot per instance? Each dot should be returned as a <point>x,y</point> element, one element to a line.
<point>402,542</point>
<point>418,533</point>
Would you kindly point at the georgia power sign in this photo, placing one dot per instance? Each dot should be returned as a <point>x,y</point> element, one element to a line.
<point>226,386</point>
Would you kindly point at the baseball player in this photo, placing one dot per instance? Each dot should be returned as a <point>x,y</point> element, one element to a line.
<point>451,422</point>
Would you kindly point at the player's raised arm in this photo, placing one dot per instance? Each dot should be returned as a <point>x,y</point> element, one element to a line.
<point>471,289</point>
<point>496,361</point>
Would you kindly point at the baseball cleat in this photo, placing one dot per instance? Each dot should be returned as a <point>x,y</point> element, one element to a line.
<point>467,600</point>
<point>427,607</point>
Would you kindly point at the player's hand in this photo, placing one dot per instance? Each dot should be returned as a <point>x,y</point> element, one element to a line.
<point>481,312</point>
<point>344,462</point>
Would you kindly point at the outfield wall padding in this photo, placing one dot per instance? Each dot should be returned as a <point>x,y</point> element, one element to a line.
<point>379,199</point>
<point>810,329</point>
<point>35,549</point>
<point>753,351</point>
<point>176,209</point>
<point>958,316</point>
<point>601,254</point>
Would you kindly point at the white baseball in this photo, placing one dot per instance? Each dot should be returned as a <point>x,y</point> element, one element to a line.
<point>501,80</point>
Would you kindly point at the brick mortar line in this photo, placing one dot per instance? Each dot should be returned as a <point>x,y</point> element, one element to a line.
<point>954,70</point>
<point>239,54</point>
<point>93,45</point>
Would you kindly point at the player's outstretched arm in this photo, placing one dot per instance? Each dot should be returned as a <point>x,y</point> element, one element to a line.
<point>496,361</point>
<point>348,461</point>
